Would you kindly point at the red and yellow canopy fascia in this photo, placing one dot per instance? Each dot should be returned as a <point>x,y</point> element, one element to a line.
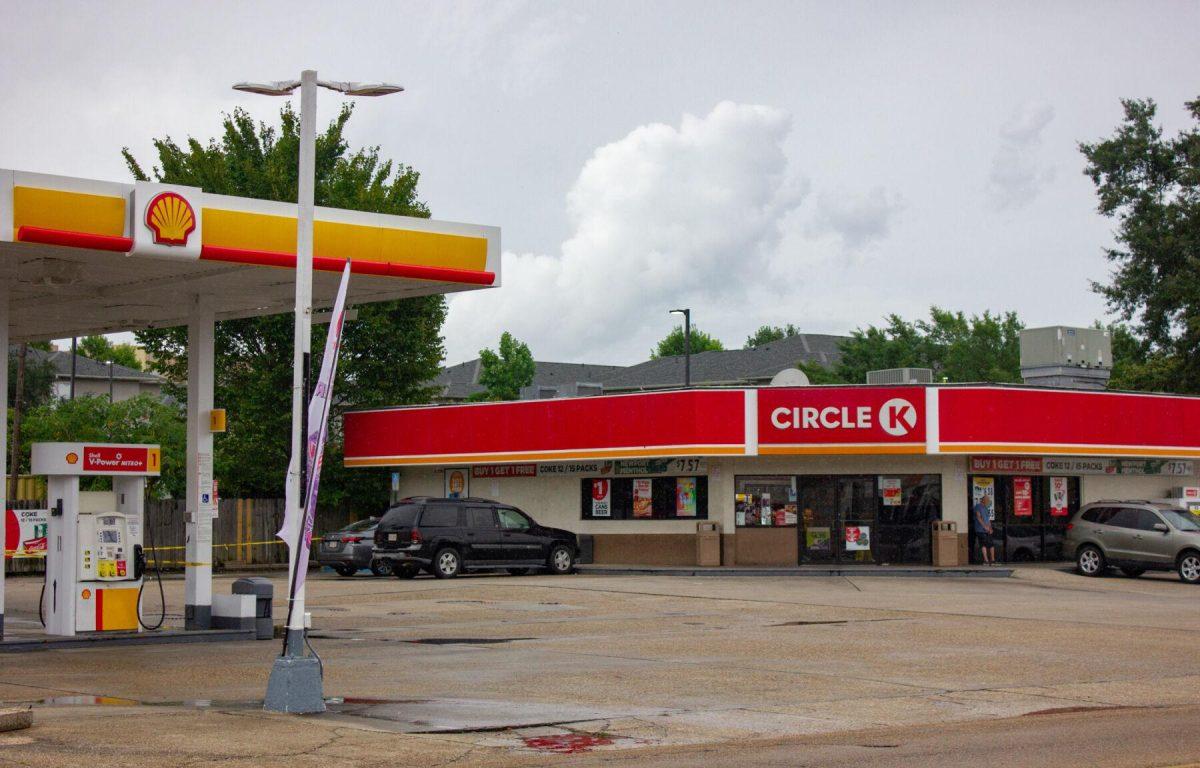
<point>83,213</point>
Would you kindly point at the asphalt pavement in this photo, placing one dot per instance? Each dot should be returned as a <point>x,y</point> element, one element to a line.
<point>1044,668</point>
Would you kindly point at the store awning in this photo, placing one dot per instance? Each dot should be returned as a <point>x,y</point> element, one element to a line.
<point>81,256</point>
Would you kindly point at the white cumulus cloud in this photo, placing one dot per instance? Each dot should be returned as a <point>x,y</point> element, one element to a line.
<point>687,215</point>
<point>1018,174</point>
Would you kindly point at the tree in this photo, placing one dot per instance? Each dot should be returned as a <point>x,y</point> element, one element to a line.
<point>141,419</point>
<point>38,384</point>
<point>503,374</point>
<point>1151,186</point>
<point>957,348</point>
<point>102,350</point>
<point>768,333</point>
<point>389,354</point>
<point>819,374</point>
<point>672,343</point>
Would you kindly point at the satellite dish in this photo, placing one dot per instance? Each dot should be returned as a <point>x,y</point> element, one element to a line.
<point>790,377</point>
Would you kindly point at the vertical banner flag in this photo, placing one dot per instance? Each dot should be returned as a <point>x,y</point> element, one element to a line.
<point>643,498</point>
<point>601,498</point>
<point>1058,497</point>
<point>314,444</point>
<point>1022,497</point>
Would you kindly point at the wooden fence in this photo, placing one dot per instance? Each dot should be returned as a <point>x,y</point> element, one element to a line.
<point>243,533</point>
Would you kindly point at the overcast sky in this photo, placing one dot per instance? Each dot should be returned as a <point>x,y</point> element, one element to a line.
<point>823,164</point>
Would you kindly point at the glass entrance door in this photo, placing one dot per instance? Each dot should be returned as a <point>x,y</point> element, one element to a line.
<point>837,518</point>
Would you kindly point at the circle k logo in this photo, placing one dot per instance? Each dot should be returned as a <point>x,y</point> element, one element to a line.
<point>897,416</point>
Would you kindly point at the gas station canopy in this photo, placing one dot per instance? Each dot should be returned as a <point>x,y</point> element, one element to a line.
<point>81,256</point>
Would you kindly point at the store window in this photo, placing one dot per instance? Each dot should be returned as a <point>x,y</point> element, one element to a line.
<point>644,498</point>
<point>1029,515</point>
<point>765,501</point>
<point>845,518</point>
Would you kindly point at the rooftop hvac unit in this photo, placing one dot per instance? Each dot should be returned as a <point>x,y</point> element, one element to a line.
<point>1059,356</point>
<point>901,376</point>
<point>1060,345</point>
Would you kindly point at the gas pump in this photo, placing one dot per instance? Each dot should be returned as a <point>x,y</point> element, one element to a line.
<point>94,559</point>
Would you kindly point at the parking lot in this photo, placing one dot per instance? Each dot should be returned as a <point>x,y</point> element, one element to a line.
<point>499,670</point>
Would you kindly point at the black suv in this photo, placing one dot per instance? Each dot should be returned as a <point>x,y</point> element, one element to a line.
<point>448,536</point>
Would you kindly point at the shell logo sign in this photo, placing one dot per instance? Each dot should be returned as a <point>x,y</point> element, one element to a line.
<point>171,218</point>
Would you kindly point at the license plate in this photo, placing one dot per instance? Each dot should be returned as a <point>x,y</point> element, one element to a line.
<point>331,545</point>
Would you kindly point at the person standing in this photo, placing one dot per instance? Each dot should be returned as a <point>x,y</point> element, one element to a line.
<point>982,523</point>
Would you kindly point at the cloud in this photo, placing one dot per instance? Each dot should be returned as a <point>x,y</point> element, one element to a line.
<point>1017,175</point>
<point>708,214</point>
<point>858,220</point>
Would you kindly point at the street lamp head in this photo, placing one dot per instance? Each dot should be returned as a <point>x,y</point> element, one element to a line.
<point>679,312</point>
<point>361,89</point>
<point>271,88</point>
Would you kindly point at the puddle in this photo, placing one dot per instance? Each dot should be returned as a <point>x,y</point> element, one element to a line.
<point>466,640</point>
<point>567,743</point>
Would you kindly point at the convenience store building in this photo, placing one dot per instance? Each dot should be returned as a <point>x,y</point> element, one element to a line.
<point>838,474</point>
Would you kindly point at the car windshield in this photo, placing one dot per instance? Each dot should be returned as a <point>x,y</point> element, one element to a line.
<point>1181,521</point>
<point>361,525</point>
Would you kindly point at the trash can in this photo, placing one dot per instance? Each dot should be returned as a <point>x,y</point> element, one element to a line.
<point>249,607</point>
<point>708,543</point>
<point>945,544</point>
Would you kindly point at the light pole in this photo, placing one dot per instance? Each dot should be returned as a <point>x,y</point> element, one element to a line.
<point>295,683</point>
<point>687,344</point>
<point>110,381</point>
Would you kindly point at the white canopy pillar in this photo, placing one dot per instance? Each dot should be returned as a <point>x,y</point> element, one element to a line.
<point>3,438</point>
<point>201,502</point>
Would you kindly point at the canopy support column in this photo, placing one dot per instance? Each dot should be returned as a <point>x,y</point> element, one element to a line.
<point>4,544</point>
<point>201,502</point>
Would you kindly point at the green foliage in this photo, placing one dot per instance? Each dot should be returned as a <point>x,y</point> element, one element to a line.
<point>957,348</point>
<point>768,333</point>
<point>38,383</point>
<point>672,343</point>
<point>388,354</point>
<point>503,374</point>
<point>102,350</point>
<point>819,374</point>
<point>141,419</point>
<point>1151,187</point>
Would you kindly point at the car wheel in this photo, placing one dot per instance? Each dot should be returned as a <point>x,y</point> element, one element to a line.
<point>1090,561</point>
<point>381,567</point>
<point>446,563</point>
<point>561,560</point>
<point>518,571</point>
<point>406,572</point>
<point>345,570</point>
<point>1133,573</point>
<point>1189,567</point>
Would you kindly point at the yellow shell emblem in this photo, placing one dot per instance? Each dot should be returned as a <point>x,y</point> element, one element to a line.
<point>171,218</point>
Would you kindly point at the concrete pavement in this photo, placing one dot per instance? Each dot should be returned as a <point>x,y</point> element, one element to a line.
<point>499,670</point>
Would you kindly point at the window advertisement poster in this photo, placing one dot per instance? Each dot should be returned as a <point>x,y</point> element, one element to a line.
<point>685,497</point>
<point>1022,497</point>
<point>601,498</point>
<point>741,507</point>
<point>456,482</point>
<point>983,491</point>
<point>765,517</point>
<point>25,532</point>
<point>891,492</point>
<point>643,498</point>
<point>817,540</point>
<point>858,538</point>
<point>1058,497</point>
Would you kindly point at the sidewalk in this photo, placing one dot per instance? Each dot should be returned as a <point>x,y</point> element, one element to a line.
<point>826,571</point>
